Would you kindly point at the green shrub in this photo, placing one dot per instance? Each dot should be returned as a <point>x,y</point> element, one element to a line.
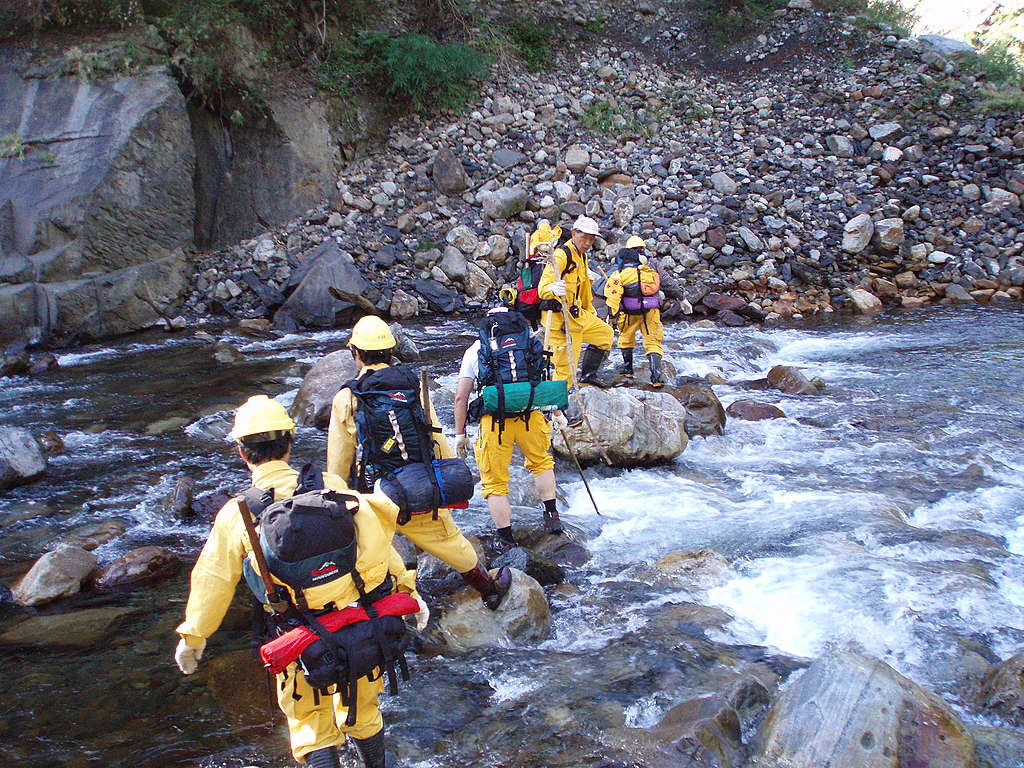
<point>727,21</point>
<point>415,70</point>
<point>595,25</point>
<point>605,118</point>
<point>892,14</point>
<point>997,100</point>
<point>532,42</point>
<point>1001,64</point>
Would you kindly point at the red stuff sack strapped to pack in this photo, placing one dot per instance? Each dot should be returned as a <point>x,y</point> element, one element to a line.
<point>282,651</point>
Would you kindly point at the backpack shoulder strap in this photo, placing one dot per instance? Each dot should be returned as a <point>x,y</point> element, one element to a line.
<point>258,499</point>
<point>310,479</point>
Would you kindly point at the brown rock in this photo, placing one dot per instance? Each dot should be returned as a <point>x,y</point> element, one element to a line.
<point>144,565</point>
<point>751,410</point>
<point>77,629</point>
<point>92,535</point>
<point>1003,689</point>
<point>609,180</point>
<point>791,381</point>
<point>51,443</point>
<point>704,412</point>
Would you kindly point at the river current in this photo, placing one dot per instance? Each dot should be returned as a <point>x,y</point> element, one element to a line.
<point>887,512</point>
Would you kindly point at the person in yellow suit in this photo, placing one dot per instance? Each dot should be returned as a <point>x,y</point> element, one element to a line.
<point>568,282</point>
<point>372,345</point>
<point>631,292</point>
<point>263,432</point>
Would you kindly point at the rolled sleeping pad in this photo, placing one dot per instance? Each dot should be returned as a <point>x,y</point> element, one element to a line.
<point>412,487</point>
<point>546,394</point>
<point>282,651</point>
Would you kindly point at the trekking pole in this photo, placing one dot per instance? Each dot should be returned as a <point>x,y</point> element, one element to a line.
<point>277,606</point>
<point>579,469</point>
<point>575,389</point>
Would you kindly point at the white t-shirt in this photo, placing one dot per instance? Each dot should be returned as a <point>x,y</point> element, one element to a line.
<point>471,362</point>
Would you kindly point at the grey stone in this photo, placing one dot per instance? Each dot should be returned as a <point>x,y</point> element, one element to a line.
<point>449,175</point>
<point>54,575</point>
<point>505,203</point>
<point>21,458</point>
<point>889,233</point>
<point>883,131</point>
<point>312,404</point>
<point>311,303</point>
<point>857,233</point>
<point>722,183</point>
<point>506,158</point>
<point>851,710</point>
<point>453,264</point>
<point>577,158</point>
<point>840,146</point>
<point>948,47</point>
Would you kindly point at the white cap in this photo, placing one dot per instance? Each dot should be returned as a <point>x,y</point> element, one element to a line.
<point>586,225</point>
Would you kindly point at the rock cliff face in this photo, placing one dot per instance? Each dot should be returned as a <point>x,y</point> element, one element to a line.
<point>107,185</point>
<point>96,201</point>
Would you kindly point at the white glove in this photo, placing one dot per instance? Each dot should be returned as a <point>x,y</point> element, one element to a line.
<point>188,658</point>
<point>558,288</point>
<point>558,421</point>
<point>422,616</point>
<point>461,446</point>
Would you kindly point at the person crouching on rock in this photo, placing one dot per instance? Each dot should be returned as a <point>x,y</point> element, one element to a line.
<point>368,439</point>
<point>509,358</point>
<point>364,570</point>
<point>631,292</point>
<point>566,280</point>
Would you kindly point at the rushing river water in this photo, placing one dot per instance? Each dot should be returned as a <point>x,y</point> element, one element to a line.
<point>887,511</point>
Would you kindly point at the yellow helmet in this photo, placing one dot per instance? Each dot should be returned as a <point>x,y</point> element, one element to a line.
<point>258,415</point>
<point>636,242</point>
<point>371,333</point>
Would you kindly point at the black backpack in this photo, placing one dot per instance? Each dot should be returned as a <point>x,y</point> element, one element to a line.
<point>509,352</point>
<point>391,427</point>
<point>309,540</point>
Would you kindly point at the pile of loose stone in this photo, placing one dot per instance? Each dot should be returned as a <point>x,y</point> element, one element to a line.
<point>802,188</point>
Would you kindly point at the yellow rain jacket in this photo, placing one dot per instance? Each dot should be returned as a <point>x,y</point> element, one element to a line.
<point>441,537</point>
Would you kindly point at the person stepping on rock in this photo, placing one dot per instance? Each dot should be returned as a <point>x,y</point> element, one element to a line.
<point>632,294</point>
<point>378,426</point>
<point>507,368</point>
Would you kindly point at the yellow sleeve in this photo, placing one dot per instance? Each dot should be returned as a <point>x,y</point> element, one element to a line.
<point>441,448</point>
<point>341,436</point>
<point>613,292</point>
<point>548,276</point>
<point>405,579</point>
<point>215,575</point>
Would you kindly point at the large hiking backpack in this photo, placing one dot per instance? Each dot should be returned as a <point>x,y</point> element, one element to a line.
<point>396,446</point>
<point>309,540</point>
<point>391,427</point>
<point>637,294</point>
<point>527,298</point>
<point>513,370</point>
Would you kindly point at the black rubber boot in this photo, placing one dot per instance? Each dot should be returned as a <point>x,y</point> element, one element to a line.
<point>491,589</point>
<point>655,362</point>
<point>626,369</point>
<point>590,362</point>
<point>371,750</point>
<point>327,757</point>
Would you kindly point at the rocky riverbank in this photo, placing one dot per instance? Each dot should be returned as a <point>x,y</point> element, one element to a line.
<point>841,168</point>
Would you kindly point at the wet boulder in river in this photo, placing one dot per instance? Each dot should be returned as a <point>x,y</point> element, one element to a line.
<point>21,458</point>
<point>543,570</point>
<point>751,410</point>
<point>633,427</point>
<point>1003,689</point>
<point>92,535</point>
<point>140,566</point>
<point>77,629</point>
<point>178,503</point>
<point>312,303</point>
<point>312,405</point>
<point>847,709</point>
<point>54,575</point>
<point>706,729</point>
<point>523,617</point>
<point>704,412</point>
<point>790,380</point>
<point>700,569</point>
